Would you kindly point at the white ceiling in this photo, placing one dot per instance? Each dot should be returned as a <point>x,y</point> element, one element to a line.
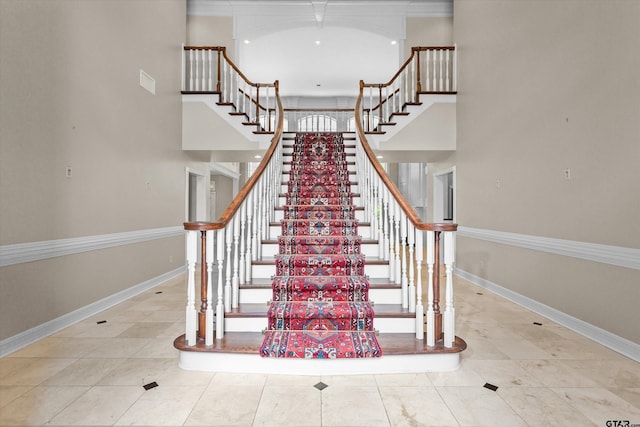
<point>355,40</point>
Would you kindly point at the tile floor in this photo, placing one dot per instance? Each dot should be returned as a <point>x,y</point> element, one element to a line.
<point>93,374</point>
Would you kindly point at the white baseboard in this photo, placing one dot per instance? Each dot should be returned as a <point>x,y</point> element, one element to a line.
<point>16,342</point>
<point>612,341</point>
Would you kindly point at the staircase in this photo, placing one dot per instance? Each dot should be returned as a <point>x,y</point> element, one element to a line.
<point>318,256</point>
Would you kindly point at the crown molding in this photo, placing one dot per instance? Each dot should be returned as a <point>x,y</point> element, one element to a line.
<point>412,8</point>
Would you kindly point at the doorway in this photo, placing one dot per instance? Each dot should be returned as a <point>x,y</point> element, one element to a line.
<point>444,192</point>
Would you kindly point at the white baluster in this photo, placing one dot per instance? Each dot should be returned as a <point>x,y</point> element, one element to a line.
<point>204,70</point>
<point>254,228</point>
<point>385,225</point>
<point>236,261</point>
<point>208,338</point>
<point>220,305</point>
<point>426,67</point>
<point>431,318</point>
<point>191,313</point>
<point>249,238</point>
<point>419,306</point>
<point>412,287</point>
<point>449,311</point>
<point>227,284</point>
<point>441,80</point>
<point>434,73</point>
<point>392,241</point>
<point>398,244</point>
<point>447,81</point>
<point>403,258</point>
<point>243,242</point>
<point>455,68</point>
<point>190,70</point>
<point>210,70</point>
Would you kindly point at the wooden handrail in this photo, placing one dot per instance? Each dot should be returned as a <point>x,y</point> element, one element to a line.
<point>235,204</point>
<point>395,193</point>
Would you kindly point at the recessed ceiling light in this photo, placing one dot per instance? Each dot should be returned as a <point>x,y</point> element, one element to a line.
<point>379,157</point>
<point>317,42</point>
<point>394,42</point>
<point>247,41</point>
<point>257,156</point>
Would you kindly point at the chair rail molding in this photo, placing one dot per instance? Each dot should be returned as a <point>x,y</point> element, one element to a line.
<point>35,251</point>
<point>606,254</point>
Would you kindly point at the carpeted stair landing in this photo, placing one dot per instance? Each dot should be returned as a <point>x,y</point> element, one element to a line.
<point>320,307</point>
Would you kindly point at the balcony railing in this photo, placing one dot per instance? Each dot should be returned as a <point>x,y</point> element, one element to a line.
<point>429,70</point>
<point>208,70</point>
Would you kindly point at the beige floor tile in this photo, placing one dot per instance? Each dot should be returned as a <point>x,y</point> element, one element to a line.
<point>38,405</point>
<point>631,395</point>
<point>162,406</point>
<point>145,330</point>
<point>223,378</point>
<point>10,392</point>
<point>478,406</point>
<point>293,380</point>
<point>464,376</point>
<point>609,373</point>
<point>84,372</point>
<point>99,406</point>
<point>521,349</point>
<point>32,371</point>
<point>353,406</point>
<point>226,406</point>
<point>416,406</point>
<point>504,373</point>
<point>59,347</point>
<point>109,329</point>
<point>161,347</point>
<point>137,372</point>
<point>541,407</point>
<point>118,348</point>
<point>556,373</point>
<point>599,404</point>
<point>404,380</point>
<point>295,406</point>
<point>349,380</point>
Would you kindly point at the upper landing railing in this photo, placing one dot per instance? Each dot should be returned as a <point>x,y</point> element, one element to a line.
<point>208,70</point>
<point>429,70</point>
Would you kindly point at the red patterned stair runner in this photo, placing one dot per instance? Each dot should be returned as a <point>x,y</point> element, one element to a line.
<point>320,307</point>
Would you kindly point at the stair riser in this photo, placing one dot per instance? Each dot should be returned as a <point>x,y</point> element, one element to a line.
<point>279,215</point>
<point>264,295</point>
<point>283,201</point>
<point>287,167</point>
<point>382,324</point>
<point>370,250</point>
<point>355,188</point>
<point>268,271</point>
<point>276,230</point>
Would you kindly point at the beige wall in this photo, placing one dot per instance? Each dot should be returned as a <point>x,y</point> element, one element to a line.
<point>70,95</point>
<point>428,32</point>
<point>211,31</point>
<point>545,86</point>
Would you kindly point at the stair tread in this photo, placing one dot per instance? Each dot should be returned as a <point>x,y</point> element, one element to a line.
<point>272,260</point>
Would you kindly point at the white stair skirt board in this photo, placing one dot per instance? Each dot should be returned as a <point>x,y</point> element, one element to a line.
<point>384,325</point>
<point>369,250</point>
<point>371,270</point>
<point>254,364</point>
